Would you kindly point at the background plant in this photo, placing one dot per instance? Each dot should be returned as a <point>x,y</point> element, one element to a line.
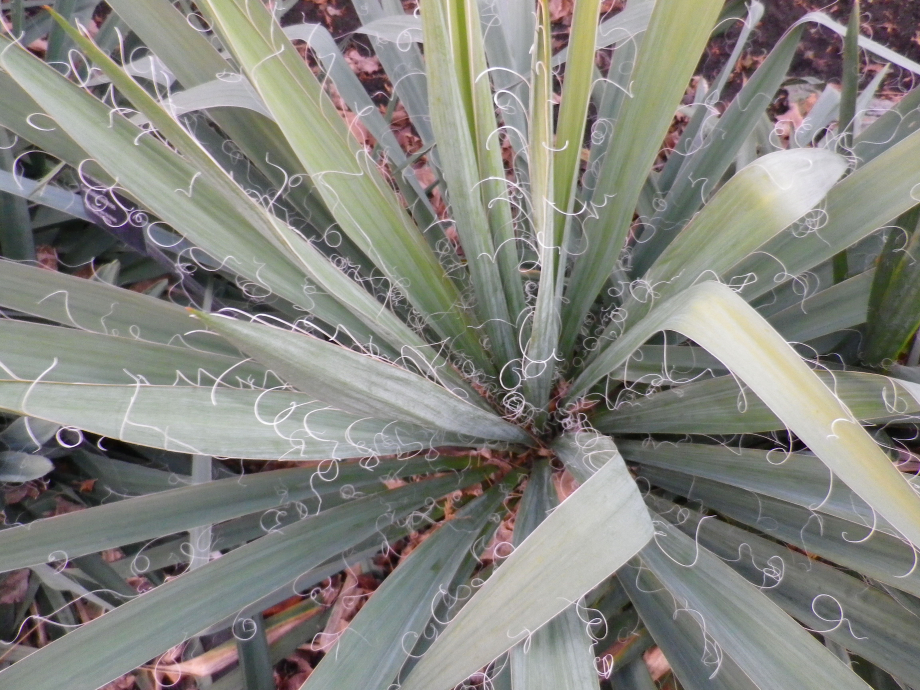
<point>712,345</point>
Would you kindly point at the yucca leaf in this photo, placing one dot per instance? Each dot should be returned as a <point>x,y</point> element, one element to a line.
<point>58,43</point>
<point>401,60</point>
<point>873,195</point>
<point>45,194</point>
<point>850,80</point>
<point>254,657</point>
<point>894,315</point>
<point>888,261</point>
<point>707,96</point>
<point>170,187</point>
<point>608,97</point>
<point>151,559</point>
<point>508,32</point>
<point>766,644</point>
<point>101,308</point>
<point>867,547</point>
<point>356,194</point>
<point>634,676</point>
<point>889,129</point>
<point>755,12</point>
<point>28,435</point>
<point>360,384</point>
<point>283,640</point>
<point>798,478</point>
<point>867,44</point>
<point>758,356</point>
<point>846,120</point>
<point>540,355</point>
<point>212,94</point>
<point>359,302</point>
<point>573,109</point>
<point>552,565</point>
<point>668,363</point>
<point>195,60</point>
<point>405,333</point>
<point>450,30</point>
<point>30,349</point>
<point>171,37</point>
<point>16,466</point>
<point>359,102</point>
<point>20,114</point>
<point>624,26</point>
<point>840,306</point>
<point>16,239</point>
<point>691,139</point>
<point>839,606</point>
<point>868,95</point>
<point>494,190</point>
<point>39,24</point>
<point>394,28</point>
<point>819,118</point>
<point>713,159</point>
<point>55,582</point>
<point>720,406</point>
<point>755,205</point>
<point>689,649</point>
<point>17,16</point>
<point>123,479</point>
<point>376,643</point>
<point>558,655</point>
<point>625,636</point>
<point>176,510</point>
<point>709,162</point>
<point>135,632</point>
<point>658,82</point>
<point>227,422</point>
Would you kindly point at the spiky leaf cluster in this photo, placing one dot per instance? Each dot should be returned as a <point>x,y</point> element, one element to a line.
<point>521,299</point>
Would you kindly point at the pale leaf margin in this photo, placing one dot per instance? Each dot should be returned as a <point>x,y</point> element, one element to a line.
<point>716,318</point>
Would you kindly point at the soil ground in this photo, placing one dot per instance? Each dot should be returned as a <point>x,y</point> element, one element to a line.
<point>893,23</point>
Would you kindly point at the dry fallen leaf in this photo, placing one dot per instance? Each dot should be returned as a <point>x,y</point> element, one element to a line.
<point>561,10</point>
<point>13,588</point>
<point>86,486</point>
<point>62,506</point>
<point>16,494</point>
<point>656,662</point>
<point>349,601</point>
<point>565,484</point>
<point>362,64</point>
<point>47,257</point>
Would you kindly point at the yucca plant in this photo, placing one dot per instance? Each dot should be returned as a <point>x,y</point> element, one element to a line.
<point>701,352</point>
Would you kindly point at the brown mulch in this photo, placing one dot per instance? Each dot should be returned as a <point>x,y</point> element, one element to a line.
<point>893,23</point>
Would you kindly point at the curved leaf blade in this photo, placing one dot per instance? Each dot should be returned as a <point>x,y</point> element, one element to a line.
<point>133,633</point>
<point>718,319</point>
<point>176,510</point>
<point>372,649</point>
<point>552,565</point>
<point>560,654</point>
<point>360,384</point>
<point>347,179</point>
<point>771,648</point>
<point>659,81</point>
<point>226,422</point>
